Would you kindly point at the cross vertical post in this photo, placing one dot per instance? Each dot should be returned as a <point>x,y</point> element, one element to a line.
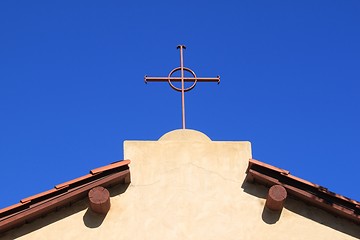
<point>182,84</point>
<point>182,79</point>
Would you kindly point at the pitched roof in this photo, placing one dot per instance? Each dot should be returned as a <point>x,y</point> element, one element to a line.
<point>62,194</point>
<point>303,190</point>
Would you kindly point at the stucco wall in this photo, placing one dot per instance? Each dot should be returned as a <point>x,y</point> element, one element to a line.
<point>186,186</point>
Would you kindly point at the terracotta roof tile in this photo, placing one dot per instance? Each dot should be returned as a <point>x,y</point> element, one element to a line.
<point>29,199</point>
<point>110,166</point>
<point>68,183</point>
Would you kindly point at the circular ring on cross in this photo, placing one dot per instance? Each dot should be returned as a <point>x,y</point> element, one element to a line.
<point>185,79</point>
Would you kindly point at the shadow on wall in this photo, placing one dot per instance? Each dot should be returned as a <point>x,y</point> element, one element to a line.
<point>92,219</point>
<point>303,209</point>
<point>50,218</point>
<point>268,216</point>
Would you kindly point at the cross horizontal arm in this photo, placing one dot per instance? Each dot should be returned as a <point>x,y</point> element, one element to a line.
<point>178,79</point>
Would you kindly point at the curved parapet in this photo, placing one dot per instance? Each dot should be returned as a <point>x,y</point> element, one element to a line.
<point>185,135</point>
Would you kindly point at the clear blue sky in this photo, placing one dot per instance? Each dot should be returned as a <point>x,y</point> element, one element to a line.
<point>72,89</point>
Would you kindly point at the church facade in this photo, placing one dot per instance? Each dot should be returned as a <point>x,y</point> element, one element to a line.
<point>184,186</point>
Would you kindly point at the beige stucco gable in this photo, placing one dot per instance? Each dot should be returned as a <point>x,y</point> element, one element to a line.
<point>185,186</point>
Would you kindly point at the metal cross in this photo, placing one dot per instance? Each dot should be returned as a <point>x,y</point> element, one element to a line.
<point>182,79</point>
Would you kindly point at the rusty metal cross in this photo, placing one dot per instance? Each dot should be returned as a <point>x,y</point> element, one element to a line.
<point>194,79</point>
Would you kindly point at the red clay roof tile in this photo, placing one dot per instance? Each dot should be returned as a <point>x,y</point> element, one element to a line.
<point>110,166</point>
<point>67,184</point>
